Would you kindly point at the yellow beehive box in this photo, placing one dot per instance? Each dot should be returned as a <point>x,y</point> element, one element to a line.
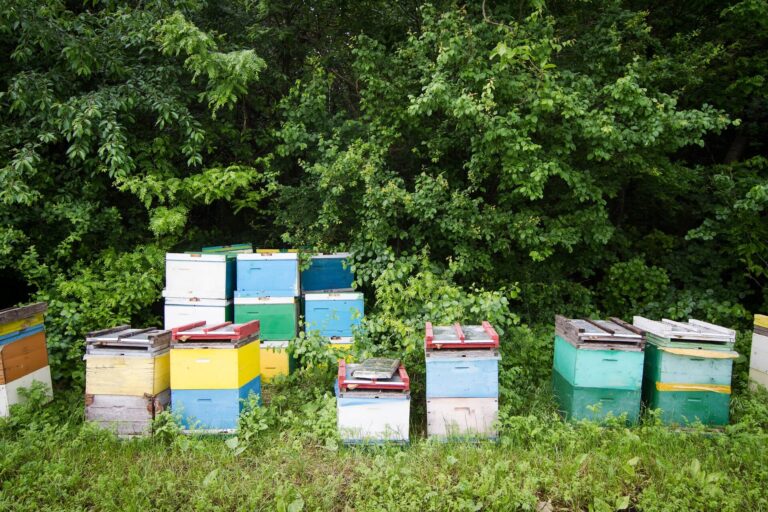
<point>275,360</point>
<point>127,375</point>
<point>214,367</point>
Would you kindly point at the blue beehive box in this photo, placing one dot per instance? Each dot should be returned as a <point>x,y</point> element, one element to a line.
<point>462,373</point>
<point>327,272</point>
<point>333,314</point>
<point>212,409</point>
<point>268,274</point>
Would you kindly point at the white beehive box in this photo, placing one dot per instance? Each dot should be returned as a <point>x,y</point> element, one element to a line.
<point>208,276</point>
<point>181,311</point>
<point>373,417</point>
<point>9,392</point>
<point>462,417</point>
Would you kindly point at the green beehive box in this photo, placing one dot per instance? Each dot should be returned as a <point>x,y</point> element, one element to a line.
<point>595,404</point>
<point>688,385</point>
<point>278,316</point>
<point>620,367</point>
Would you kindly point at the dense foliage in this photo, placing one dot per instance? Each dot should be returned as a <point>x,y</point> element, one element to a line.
<point>480,161</point>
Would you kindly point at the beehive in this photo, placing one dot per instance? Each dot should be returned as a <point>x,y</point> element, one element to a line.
<point>275,360</point>
<point>688,369</point>
<point>127,378</point>
<point>598,369</point>
<point>185,310</point>
<point>372,411</point>
<point>327,272</point>
<point>268,274</point>
<point>333,314</point>
<point>758,361</point>
<point>278,316</point>
<point>462,369</point>
<point>23,353</point>
<point>214,371</point>
<point>198,275</point>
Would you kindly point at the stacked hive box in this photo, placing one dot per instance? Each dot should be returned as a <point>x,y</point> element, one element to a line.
<point>331,308</point>
<point>462,381</point>
<point>268,291</point>
<point>23,353</point>
<point>214,373</point>
<point>127,378</point>
<point>598,368</point>
<point>198,287</point>
<point>688,370</point>
<point>372,410</point>
<point>758,362</point>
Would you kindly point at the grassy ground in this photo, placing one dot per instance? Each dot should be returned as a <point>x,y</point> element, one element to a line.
<point>286,458</point>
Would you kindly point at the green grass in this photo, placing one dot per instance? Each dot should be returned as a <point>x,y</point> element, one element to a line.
<point>287,458</point>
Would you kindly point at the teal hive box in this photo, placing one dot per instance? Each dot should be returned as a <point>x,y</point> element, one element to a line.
<point>595,403</point>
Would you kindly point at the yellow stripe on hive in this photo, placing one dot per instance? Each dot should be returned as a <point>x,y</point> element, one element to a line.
<point>18,325</point>
<point>706,354</point>
<point>761,320</point>
<point>214,368</point>
<point>671,386</point>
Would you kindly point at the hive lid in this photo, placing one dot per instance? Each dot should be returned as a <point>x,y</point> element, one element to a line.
<point>397,380</point>
<point>123,337</point>
<point>376,368</point>
<point>228,249</point>
<point>226,333</point>
<point>464,337</point>
<point>693,331</point>
<point>19,313</point>
<point>583,332</point>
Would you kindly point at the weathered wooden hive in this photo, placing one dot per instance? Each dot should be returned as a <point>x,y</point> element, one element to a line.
<point>688,368</point>
<point>598,368</point>
<point>462,364</point>
<point>127,378</point>
<point>215,371</point>
<point>373,402</point>
<point>23,353</point>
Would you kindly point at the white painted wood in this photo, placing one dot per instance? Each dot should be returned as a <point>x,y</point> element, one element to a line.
<point>269,256</point>
<point>759,357</point>
<point>471,417</point>
<point>9,392</point>
<point>195,301</point>
<point>333,296</point>
<point>335,255</point>
<point>373,419</point>
<point>178,315</point>
<point>758,378</point>
<point>198,275</point>
<point>239,301</point>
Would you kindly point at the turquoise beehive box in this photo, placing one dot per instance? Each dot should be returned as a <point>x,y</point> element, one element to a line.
<point>598,369</point>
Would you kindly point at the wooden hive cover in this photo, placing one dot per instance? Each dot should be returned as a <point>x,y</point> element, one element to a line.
<point>123,338</point>
<point>598,334</point>
<point>15,319</point>
<point>462,337</point>
<point>213,335</point>
<point>395,381</point>
<point>693,333</point>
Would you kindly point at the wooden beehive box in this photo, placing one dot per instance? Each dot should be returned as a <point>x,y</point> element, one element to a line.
<point>473,418</point>
<point>268,274</point>
<point>327,272</point>
<point>198,275</point>
<point>758,361</point>
<point>278,316</point>
<point>126,415</point>
<point>275,360</point>
<point>184,310</point>
<point>462,373</point>
<point>333,314</point>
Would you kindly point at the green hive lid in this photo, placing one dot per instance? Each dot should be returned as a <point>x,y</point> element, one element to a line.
<point>228,249</point>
